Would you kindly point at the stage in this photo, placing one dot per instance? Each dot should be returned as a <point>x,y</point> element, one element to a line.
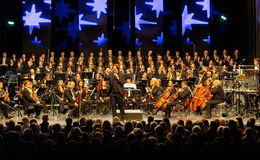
<point>175,117</point>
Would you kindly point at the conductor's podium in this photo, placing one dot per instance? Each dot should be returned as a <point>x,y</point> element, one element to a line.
<point>132,114</point>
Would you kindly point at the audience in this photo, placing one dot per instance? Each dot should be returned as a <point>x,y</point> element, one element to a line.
<point>218,139</point>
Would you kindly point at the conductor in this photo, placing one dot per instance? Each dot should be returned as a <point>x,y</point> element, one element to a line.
<point>116,90</point>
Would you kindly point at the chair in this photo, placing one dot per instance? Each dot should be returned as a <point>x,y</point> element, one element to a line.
<point>219,110</point>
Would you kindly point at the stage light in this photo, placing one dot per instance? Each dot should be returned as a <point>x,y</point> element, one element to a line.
<point>223,18</point>
<point>10,23</point>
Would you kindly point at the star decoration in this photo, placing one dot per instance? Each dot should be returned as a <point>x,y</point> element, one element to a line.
<point>159,39</point>
<point>187,20</point>
<point>188,41</point>
<point>72,29</point>
<point>99,6</point>
<point>139,21</point>
<point>126,29</point>
<point>36,41</point>
<point>62,45</point>
<point>157,6</point>
<point>173,28</point>
<point>62,10</point>
<point>137,43</point>
<point>206,6</point>
<point>32,19</point>
<point>101,40</point>
<point>85,22</point>
<point>207,40</point>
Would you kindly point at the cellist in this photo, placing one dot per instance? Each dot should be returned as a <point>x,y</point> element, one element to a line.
<point>217,92</point>
<point>180,98</point>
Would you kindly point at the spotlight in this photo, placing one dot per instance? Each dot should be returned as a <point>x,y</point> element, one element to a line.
<point>223,17</point>
<point>10,23</point>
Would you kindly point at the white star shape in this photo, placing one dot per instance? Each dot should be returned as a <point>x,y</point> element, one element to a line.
<point>99,6</point>
<point>139,21</point>
<point>157,6</point>
<point>206,6</point>
<point>84,22</point>
<point>32,19</point>
<point>187,20</point>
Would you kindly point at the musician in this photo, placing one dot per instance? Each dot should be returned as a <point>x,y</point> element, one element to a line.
<point>116,90</point>
<point>82,95</point>
<point>182,94</point>
<point>59,92</point>
<point>201,78</point>
<point>4,98</point>
<point>70,100</point>
<point>217,97</point>
<point>30,99</point>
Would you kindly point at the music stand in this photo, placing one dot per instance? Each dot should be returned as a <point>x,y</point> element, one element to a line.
<point>50,84</point>
<point>39,76</point>
<point>60,76</point>
<point>87,75</point>
<point>165,83</point>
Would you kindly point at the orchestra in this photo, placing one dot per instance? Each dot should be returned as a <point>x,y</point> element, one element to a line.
<point>189,82</point>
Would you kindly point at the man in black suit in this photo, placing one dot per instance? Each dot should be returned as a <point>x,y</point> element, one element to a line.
<point>30,99</point>
<point>183,94</point>
<point>70,100</point>
<point>218,97</point>
<point>116,90</point>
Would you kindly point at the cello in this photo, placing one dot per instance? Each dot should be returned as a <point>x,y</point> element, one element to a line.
<point>201,96</point>
<point>164,97</point>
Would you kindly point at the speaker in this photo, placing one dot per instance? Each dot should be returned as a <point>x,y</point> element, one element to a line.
<point>132,114</point>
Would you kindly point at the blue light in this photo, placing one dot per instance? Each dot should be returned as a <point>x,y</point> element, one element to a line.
<point>159,39</point>
<point>48,2</point>
<point>206,6</point>
<point>72,29</point>
<point>173,28</point>
<point>126,31</point>
<point>84,22</point>
<point>187,20</point>
<point>139,21</point>
<point>157,6</point>
<point>99,6</point>
<point>138,43</point>
<point>207,40</point>
<point>62,10</point>
<point>101,40</point>
<point>188,41</point>
<point>32,19</point>
<point>36,41</point>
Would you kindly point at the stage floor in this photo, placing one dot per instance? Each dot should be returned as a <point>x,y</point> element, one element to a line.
<point>175,116</point>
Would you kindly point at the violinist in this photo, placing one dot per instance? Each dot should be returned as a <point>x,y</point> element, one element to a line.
<point>181,96</point>
<point>217,92</point>
<point>82,96</point>
<point>4,99</point>
<point>59,92</point>
<point>30,99</point>
<point>70,100</point>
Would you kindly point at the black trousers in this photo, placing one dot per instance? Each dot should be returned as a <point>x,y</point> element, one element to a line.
<point>211,104</point>
<point>116,99</point>
<point>4,107</point>
<point>168,109</point>
<point>37,108</point>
